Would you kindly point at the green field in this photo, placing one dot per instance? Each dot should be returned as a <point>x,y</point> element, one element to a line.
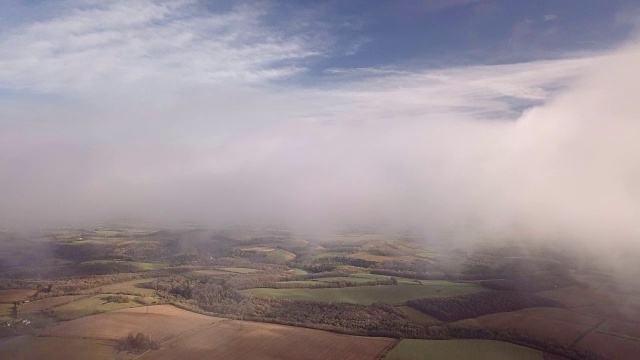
<point>142,266</point>
<point>365,279</point>
<point>133,287</point>
<point>91,305</point>
<point>400,279</point>
<point>210,272</point>
<point>272,253</point>
<point>298,272</point>
<point>239,270</point>
<point>303,283</point>
<point>360,278</point>
<point>393,294</point>
<point>461,350</point>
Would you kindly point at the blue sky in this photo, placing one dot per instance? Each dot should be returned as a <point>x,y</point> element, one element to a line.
<point>404,34</point>
<point>69,49</point>
<point>312,111</point>
<point>437,33</point>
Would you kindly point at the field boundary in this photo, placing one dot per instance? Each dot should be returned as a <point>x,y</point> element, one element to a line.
<point>385,351</point>
<point>188,332</point>
<point>575,343</point>
<point>618,336</point>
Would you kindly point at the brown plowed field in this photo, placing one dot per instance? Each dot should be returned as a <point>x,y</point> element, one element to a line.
<point>11,295</point>
<point>54,348</point>
<point>576,296</point>
<point>610,346</point>
<point>611,312</point>
<point>162,322</point>
<point>560,325</point>
<point>256,341</point>
<point>621,328</point>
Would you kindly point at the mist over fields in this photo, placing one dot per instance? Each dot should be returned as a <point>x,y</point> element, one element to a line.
<point>544,150</point>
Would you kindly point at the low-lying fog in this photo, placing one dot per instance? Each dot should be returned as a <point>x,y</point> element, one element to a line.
<point>546,150</point>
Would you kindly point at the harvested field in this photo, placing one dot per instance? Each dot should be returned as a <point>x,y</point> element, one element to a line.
<point>560,325</point>
<point>162,322</point>
<point>575,296</point>
<point>11,295</point>
<point>251,340</point>
<point>561,314</point>
<point>393,294</point>
<point>47,303</point>
<point>625,329</point>
<point>610,346</point>
<point>611,312</point>
<point>56,348</point>
<point>461,349</point>
<point>572,296</point>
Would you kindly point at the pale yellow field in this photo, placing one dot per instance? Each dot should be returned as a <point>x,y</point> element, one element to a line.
<point>11,295</point>
<point>56,348</point>
<point>161,322</point>
<point>256,341</point>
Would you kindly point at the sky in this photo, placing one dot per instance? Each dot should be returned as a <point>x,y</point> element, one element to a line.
<point>463,118</point>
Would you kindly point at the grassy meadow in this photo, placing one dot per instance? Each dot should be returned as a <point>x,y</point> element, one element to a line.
<point>393,294</point>
<point>411,349</point>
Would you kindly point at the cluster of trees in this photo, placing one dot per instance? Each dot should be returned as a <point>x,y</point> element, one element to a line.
<point>331,263</point>
<point>6,284</point>
<point>202,291</point>
<point>84,251</point>
<point>221,298</point>
<point>137,343</point>
<point>368,320</point>
<point>249,281</point>
<point>117,298</point>
<point>78,284</point>
<point>477,304</point>
<point>103,268</point>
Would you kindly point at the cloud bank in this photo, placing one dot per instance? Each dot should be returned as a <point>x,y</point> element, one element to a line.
<point>181,115</point>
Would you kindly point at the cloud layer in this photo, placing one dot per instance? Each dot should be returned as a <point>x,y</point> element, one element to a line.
<point>181,115</point>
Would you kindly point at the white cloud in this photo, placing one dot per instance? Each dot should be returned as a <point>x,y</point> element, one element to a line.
<point>124,42</point>
<point>486,91</point>
<point>410,147</point>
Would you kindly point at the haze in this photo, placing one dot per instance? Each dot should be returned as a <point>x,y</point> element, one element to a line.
<point>217,117</point>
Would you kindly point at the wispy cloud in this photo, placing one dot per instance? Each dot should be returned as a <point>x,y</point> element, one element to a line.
<point>123,42</point>
<point>480,92</point>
